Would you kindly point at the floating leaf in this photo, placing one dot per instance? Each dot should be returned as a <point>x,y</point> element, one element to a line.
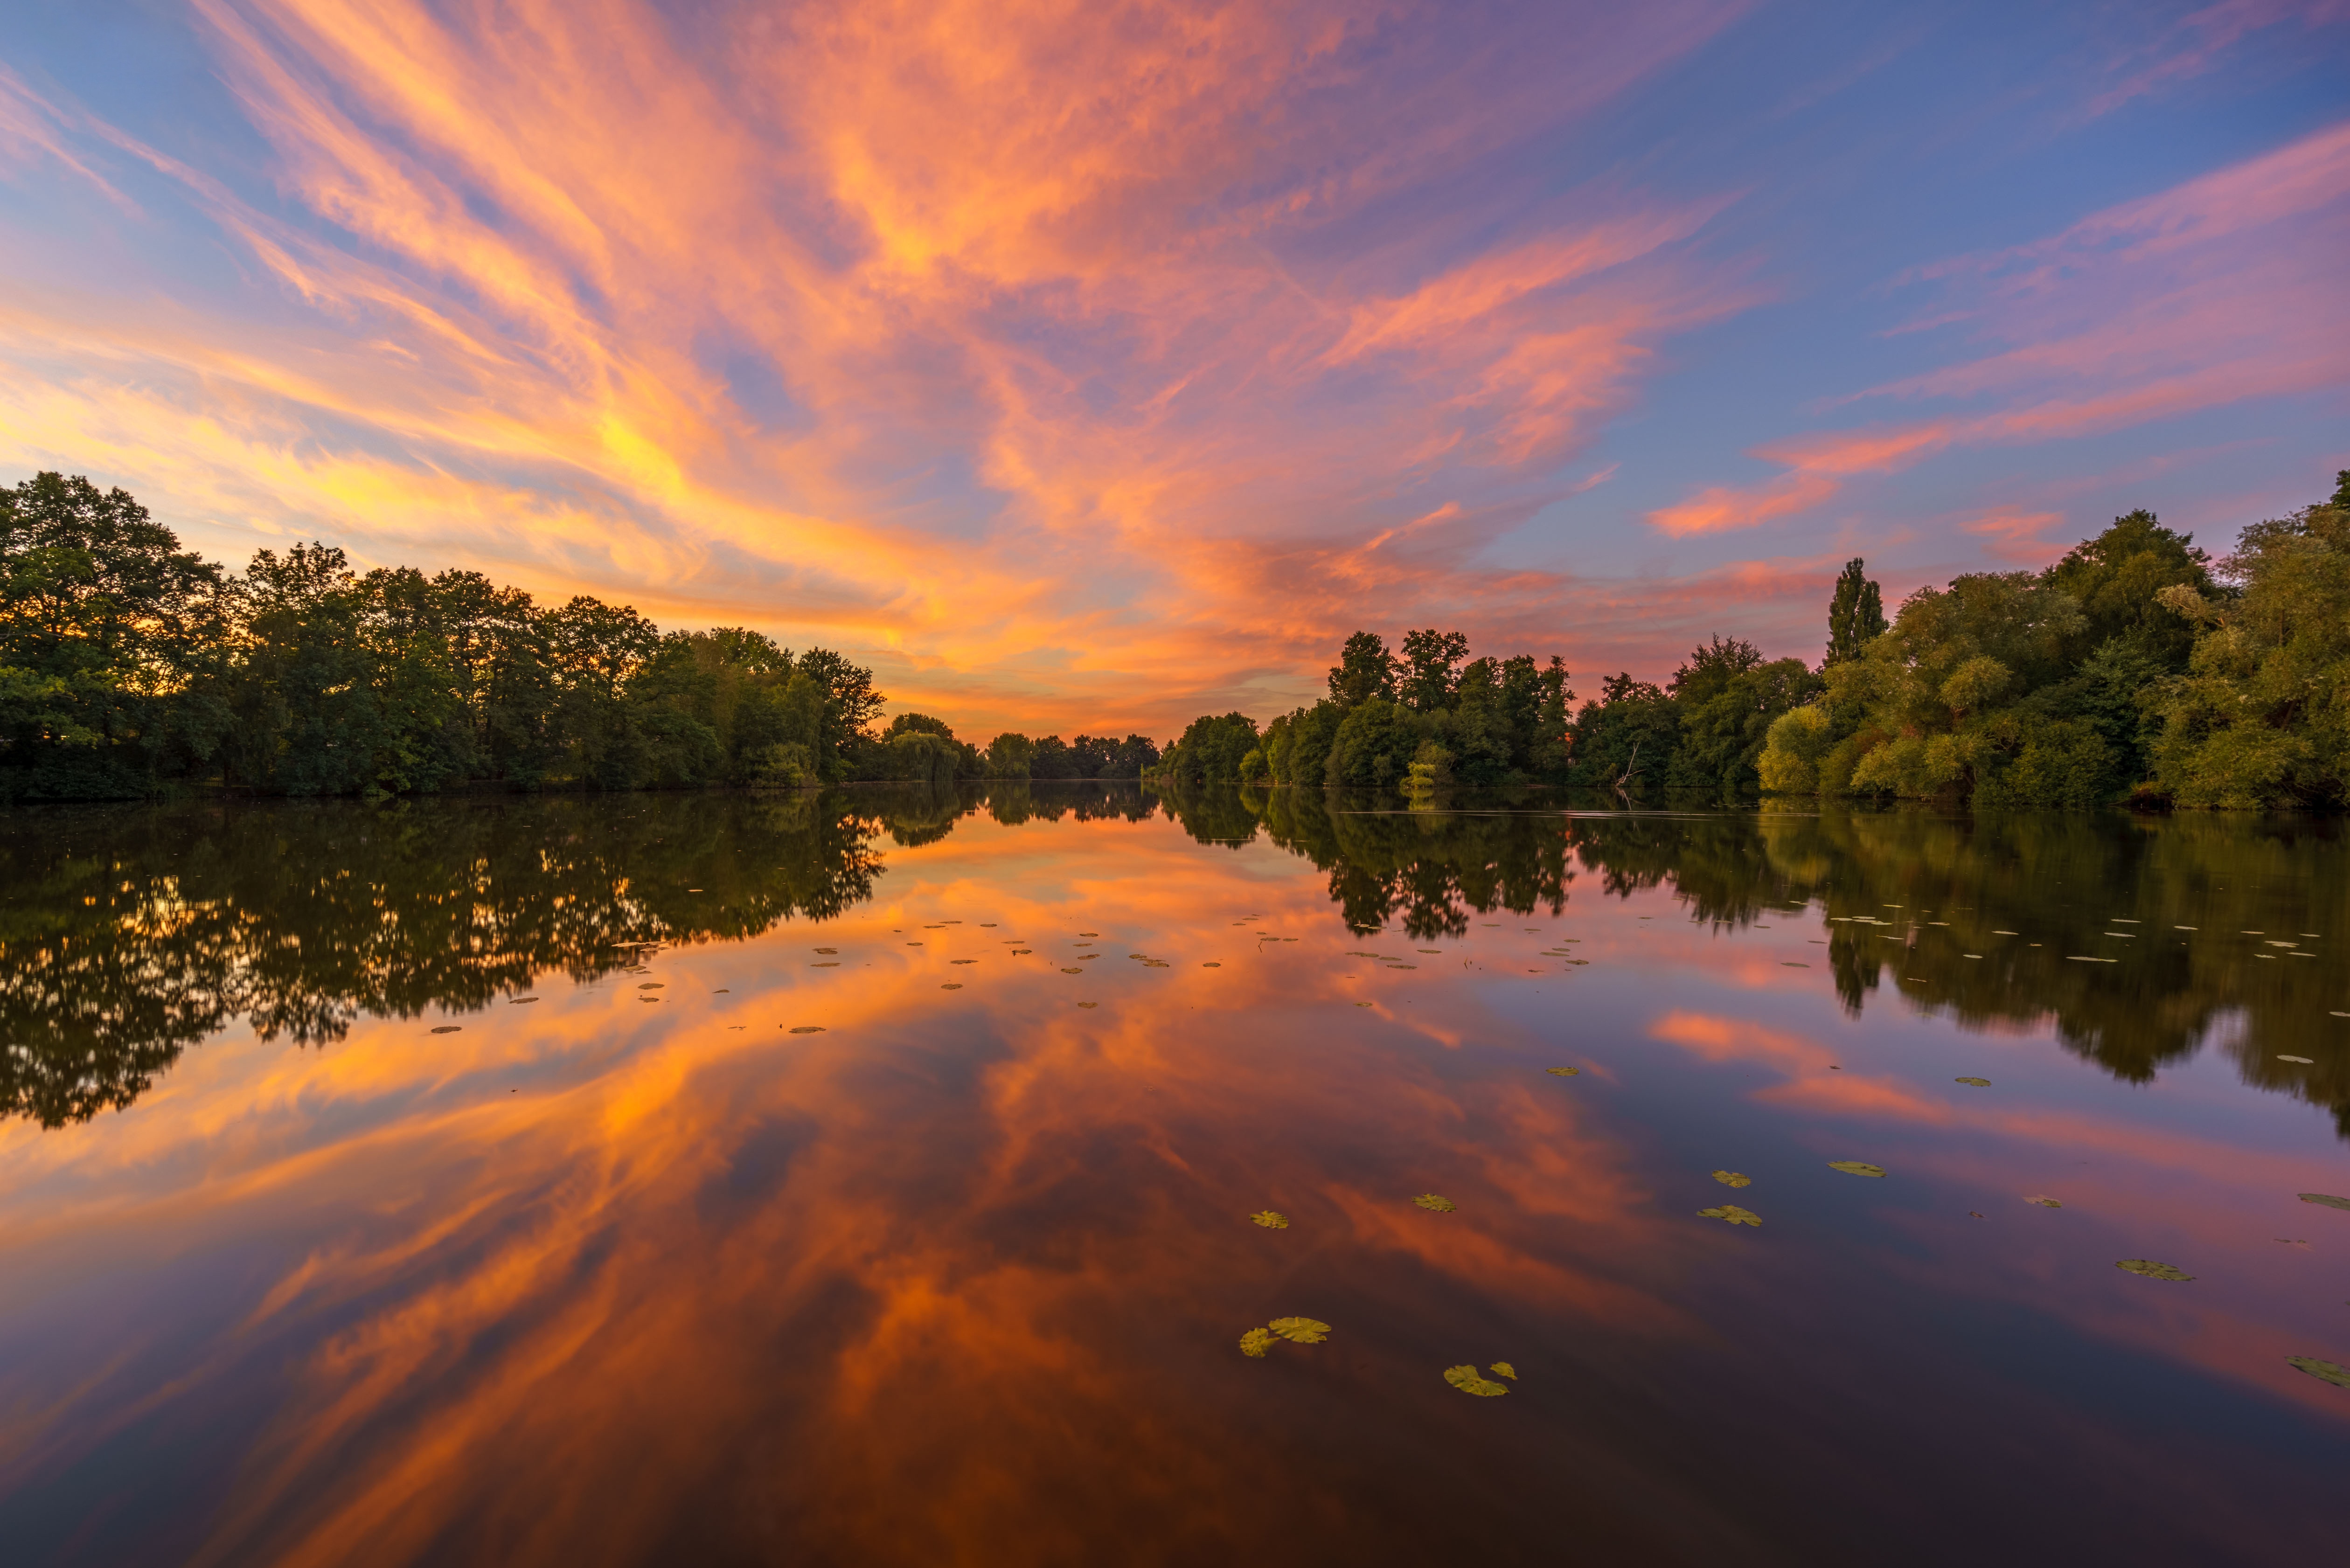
<point>518,1000</point>
<point>1856,1167</point>
<point>962,961</point>
<point>1072,971</point>
<point>1733,1179</point>
<point>2324,1371</point>
<point>1300,1330</point>
<point>1271,1220</point>
<point>1503,1369</point>
<point>1088,1004</point>
<point>2152,1270</point>
<point>2305,1060</point>
<point>1563,1072</point>
<point>827,950</point>
<point>1212,964</point>
<point>807,1028</point>
<point>1435,1205</point>
<point>2042,1199</point>
<point>828,964</point>
<point>1978,1083</point>
<point>950,988</point>
<point>1733,1214</point>
<point>653,985</point>
<point>1466,1378</point>
<point>448,1029</point>
<point>1256,1342</point>
<point>2325,1198</point>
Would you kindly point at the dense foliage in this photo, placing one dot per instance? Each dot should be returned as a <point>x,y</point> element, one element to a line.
<point>2135,666</point>
<point>127,663</point>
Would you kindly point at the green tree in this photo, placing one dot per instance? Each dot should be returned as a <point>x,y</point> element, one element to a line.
<point>1364,669</point>
<point>1855,615</point>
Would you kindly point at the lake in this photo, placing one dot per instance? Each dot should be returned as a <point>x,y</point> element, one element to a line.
<point>893,1177</point>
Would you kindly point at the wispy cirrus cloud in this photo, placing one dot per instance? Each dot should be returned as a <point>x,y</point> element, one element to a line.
<point>2221,289</point>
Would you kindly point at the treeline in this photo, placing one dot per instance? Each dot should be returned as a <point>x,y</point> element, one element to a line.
<point>1432,716</point>
<point>2135,668</point>
<point>127,664</point>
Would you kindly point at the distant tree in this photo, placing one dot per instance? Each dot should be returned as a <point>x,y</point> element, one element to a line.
<point>1211,748</point>
<point>1009,756</point>
<point>1431,660</point>
<point>1856,614</point>
<point>1364,669</point>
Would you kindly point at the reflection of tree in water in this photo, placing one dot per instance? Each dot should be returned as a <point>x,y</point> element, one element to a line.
<point>127,935</point>
<point>2061,881</point>
<point>131,935</point>
<point>1435,867</point>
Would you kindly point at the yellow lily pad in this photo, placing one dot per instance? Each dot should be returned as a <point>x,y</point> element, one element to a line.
<point>2325,1198</point>
<point>1978,1083</point>
<point>1271,1220</point>
<point>1256,1342</point>
<point>2324,1371</point>
<point>1435,1205</point>
<point>1856,1167</point>
<point>1733,1178</point>
<point>2152,1270</point>
<point>1733,1214</point>
<point>1466,1379</point>
<point>1503,1369</point>
<point>1563,1072</point>
<point>1300,1330</point>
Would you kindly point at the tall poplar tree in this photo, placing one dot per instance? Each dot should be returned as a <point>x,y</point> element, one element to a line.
<point>1855,615</point>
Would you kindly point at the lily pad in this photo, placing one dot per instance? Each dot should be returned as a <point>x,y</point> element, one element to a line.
<point>1072,971</point>
<point>828,951</point>
<point>1563,1072</point>
<point>950,988</point>
<point>1271,1219</point>
<point>2325,1198</point>
<point>1503,1369</point>
<point>1435,1205</point>
<point>1300,1330</point>
<point>1733,1178</point>
<point>1256,1342</point>
<point>448,1029</point>
<point>2042,1199</point>
<point>1856,1167</point>
<point>2152,1270</point>
<point>1212,964</point>
<point>653,985</point>
<point>807,1028</point>
<point>1978,1083</point>
<point>1088,1004</point>
<point>1733,1214</point>
<point>1466,1379</point>
<point>2324,1371</point>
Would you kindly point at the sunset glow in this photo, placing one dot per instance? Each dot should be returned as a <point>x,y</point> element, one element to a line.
<point>1092,367</point>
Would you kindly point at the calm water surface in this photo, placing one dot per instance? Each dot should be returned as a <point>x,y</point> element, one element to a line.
<point>871,1181</point>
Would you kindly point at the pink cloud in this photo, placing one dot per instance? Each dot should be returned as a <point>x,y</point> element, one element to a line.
<point>2222,289</point>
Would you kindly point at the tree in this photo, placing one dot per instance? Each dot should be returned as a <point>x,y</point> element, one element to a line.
<point>1855,615</point>
<point>1430,661</point>
<point>1364,669</point>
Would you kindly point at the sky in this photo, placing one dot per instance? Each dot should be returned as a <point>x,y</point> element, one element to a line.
<point>1088,367</point>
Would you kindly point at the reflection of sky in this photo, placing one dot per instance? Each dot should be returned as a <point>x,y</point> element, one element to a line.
<point>960,1277</point>
<point>1091,366</point>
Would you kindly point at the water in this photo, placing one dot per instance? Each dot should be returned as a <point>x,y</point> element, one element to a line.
<point>635,1273</point>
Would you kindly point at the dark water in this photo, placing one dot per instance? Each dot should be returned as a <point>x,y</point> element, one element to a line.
<point>635,1273</point>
